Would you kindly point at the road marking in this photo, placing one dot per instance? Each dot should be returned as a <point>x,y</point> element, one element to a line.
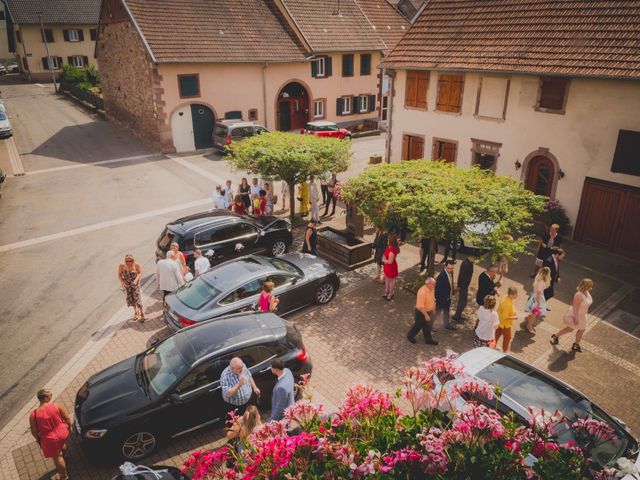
<point>14,157</point>
<point>199,170</point>
<point>101,162</point>
<point>99,226</point>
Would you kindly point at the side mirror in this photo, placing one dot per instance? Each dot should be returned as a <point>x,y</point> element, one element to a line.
<point>175,399</point>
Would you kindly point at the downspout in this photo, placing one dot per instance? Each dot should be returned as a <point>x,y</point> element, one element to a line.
<point>392,81</point>
<point>264,96</point>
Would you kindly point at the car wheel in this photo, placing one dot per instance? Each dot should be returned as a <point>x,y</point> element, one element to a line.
<point>325,293</point>
<point>278,247</point>
<point>138,445</point>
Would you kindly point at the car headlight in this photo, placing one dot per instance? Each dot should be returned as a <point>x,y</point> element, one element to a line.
<point>95,433</point>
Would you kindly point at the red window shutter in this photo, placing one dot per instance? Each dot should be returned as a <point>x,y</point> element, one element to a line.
<point>405,147</point>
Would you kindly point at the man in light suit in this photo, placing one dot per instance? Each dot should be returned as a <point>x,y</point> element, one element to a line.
<point>282,395</point>
<point>444,290</point>
<point>168,274</point>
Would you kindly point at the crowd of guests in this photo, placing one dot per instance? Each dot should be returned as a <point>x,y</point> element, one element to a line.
<point>254,199</point>
<point>311,198</point>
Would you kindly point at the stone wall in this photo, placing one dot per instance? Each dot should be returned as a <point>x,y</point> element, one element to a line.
<point>130,82</point>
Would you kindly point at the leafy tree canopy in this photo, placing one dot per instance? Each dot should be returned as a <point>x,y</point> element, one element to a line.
<point>290,157</point>
<point>437,200</point>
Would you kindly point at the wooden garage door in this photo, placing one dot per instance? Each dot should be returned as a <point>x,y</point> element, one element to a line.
<point>608,217</point>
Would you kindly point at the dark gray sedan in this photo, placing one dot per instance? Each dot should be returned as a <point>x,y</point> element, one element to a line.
<point>300,279</point>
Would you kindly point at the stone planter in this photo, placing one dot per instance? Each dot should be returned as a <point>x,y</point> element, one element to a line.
<point>375,159</point>
<point>343,248</point>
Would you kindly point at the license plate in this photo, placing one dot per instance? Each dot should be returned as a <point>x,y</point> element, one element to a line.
<point>77,425</point>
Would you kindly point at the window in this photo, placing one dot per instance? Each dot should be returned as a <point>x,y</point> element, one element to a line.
<point>412,147</point>
<point>239,133</point>
<point>73,35</point>
<point>250,289</point>
<point>253,115</point>
<point>189,85</point>
<point>365,64</point>
<point>318,108</point>
<point>362,104</point>
<point>625,158</point>
<point>255,356</point>
<point>210,236</point>
<point>47,35</point>
<point>18,37</point>
<point>280,280</point>
<point>49,63</point>
<point>449,93</point>
<point>198,377</point>
<point>444,150</point>
<point>347,65</point>
<point>344,105</point>
<point>2,17</point>
<point>93,32</point>
<point>415,92</point>
<point>385,108</point>
<point>78,61</point>
<point>493,93</point>
<point>485,154</point>
<point>197,293</point>
<point>243,230</point>
<point>321,67</point>
<point>552,94</point>
<point>261,130</point>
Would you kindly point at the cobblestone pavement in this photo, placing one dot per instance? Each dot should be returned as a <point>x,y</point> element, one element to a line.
<point>359,338</point>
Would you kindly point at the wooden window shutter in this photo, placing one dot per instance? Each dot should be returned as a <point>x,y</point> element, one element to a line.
<point>422,86</point>
<point>314,68</point>
<point>372,103</point>
<point>410,91</point>
<point>449,151</point>
<point>450,93</point>
<point>416,148</point>
<point>552,92</point>
<point>45,63</point>
<point>65,34</point>
<point>405,147</point>
<point>444,92</point>
<point>81,35</point>
<point>328,66</point>
<point>339,106</point>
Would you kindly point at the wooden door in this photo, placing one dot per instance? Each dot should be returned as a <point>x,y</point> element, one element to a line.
<point>203,121</point>
<point>284,115</point>
<point>540,176</point>
<point>608,217</point>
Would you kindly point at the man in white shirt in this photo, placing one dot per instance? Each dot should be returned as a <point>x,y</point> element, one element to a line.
<point>314,199</point>
<point>168,274</point>
<point>228,194</point>
<point>218,199</point>
<point>201,263</point>
<point>255,187</point>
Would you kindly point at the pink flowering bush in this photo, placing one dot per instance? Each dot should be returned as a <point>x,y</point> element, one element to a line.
<point>451,432</point>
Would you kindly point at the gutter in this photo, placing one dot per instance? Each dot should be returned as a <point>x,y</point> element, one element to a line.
<point>392,87</point>
<point>264,95</point>
<point>135,24</point>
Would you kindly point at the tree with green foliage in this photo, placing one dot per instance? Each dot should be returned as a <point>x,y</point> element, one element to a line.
<point>437,200</point>
<point>290,157</point>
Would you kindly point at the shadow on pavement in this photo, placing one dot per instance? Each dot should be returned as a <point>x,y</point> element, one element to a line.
<point>562,362</point>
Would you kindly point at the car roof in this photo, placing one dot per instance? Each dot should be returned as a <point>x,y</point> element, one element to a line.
<point>233,273</point>
<point>201,220</point>
<point>321,123</point>
<point>229,333</point>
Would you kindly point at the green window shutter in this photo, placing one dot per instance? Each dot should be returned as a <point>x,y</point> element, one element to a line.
<point>356,104</point>
<point>339,106</point>
<point>327,66</point>
<point>314,68</point>
<point>372,103</point>
<point>81,35</point>
<point>365,64</point>
<point>65,34</point>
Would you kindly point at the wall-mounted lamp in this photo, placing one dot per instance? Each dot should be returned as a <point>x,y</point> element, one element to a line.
<point>518,165</point>
<point>560,173</point>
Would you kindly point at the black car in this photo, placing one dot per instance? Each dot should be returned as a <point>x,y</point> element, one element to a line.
<point>223,235</point>
<point>300,279</point>
<point>173,387</point>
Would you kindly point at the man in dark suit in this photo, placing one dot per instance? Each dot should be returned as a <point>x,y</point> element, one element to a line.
<point>282,395</point>
<point>553,262</point>
<point>444,290</point>
<point>464,280</point>
<point>486,285</point>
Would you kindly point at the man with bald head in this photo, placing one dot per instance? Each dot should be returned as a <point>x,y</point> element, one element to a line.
<point>237,384</point>
<point>425,312</point>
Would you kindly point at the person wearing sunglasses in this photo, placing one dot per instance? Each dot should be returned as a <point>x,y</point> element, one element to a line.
<point>129,274</point>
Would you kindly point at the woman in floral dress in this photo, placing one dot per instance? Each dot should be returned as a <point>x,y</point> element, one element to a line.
<point>129,275</point>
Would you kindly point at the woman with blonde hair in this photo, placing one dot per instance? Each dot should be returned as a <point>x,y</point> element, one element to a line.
<point>576,316</point>
<point>488,322</point>
<point>243,426</point>
<point>180,258</point>
<point>536,305</point>
<point>129,274</point>
<point>267,301</point>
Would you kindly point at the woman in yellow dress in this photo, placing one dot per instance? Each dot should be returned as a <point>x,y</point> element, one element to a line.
<point>303,197</point>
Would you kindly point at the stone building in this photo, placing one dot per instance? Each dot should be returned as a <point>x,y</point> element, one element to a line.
<point>546,92</point>
<point>170,69</point>
<point>67,29</point>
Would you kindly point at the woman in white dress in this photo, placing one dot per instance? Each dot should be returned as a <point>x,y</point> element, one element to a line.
<point>576,316</point>
<point>536,306</point>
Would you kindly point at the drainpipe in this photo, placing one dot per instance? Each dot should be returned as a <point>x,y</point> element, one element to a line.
<point>264,95</point>
<point>392,78</point>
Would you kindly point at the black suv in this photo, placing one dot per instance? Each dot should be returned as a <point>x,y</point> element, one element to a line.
<point>174,386</point>
<point>222,235</point>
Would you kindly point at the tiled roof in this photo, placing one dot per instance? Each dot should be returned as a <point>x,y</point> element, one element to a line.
<point>388,22</point>
<point>78,12</point>
<point>325,31</point>
<point>216,31</point>
<point>564,37</point>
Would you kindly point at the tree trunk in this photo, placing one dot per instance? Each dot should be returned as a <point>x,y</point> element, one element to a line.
<point>292,202</point>
<point>431,259</point>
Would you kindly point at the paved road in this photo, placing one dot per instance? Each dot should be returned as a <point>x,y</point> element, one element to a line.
<point>69,221</point>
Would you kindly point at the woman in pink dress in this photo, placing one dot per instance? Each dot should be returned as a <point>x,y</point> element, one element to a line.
<point>267,301</point>
<point>576,317</point>
<point>50,425</point>
<point>390,267</point>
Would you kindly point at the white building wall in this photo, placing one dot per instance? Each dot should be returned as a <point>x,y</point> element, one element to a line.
<point>583,140</point>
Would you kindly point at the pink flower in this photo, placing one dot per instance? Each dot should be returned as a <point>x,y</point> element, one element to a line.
<point>595,428</point>
<point>302,413</point>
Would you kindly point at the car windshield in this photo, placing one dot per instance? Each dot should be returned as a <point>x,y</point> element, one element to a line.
<point>530,388</point>
<point>284,265</point>
<point>164,365</point>
<point>196,293</point>
<point>2,115</point>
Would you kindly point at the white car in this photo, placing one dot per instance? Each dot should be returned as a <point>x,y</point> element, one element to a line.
<point>5,125</point>
<point>523,386</point>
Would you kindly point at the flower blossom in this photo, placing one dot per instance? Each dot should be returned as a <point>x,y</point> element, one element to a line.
<point>302,413</point>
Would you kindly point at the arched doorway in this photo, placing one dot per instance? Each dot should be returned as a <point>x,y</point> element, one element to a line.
<point>541,175</point>
<point>192,127</point>
<point>293,107</point>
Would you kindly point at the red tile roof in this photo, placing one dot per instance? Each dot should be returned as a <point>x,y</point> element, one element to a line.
<point>216,31</point>
<point>594,38</point>
<point>388,22</point>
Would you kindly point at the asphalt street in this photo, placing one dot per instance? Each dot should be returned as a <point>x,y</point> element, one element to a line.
<point>91,194</point>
